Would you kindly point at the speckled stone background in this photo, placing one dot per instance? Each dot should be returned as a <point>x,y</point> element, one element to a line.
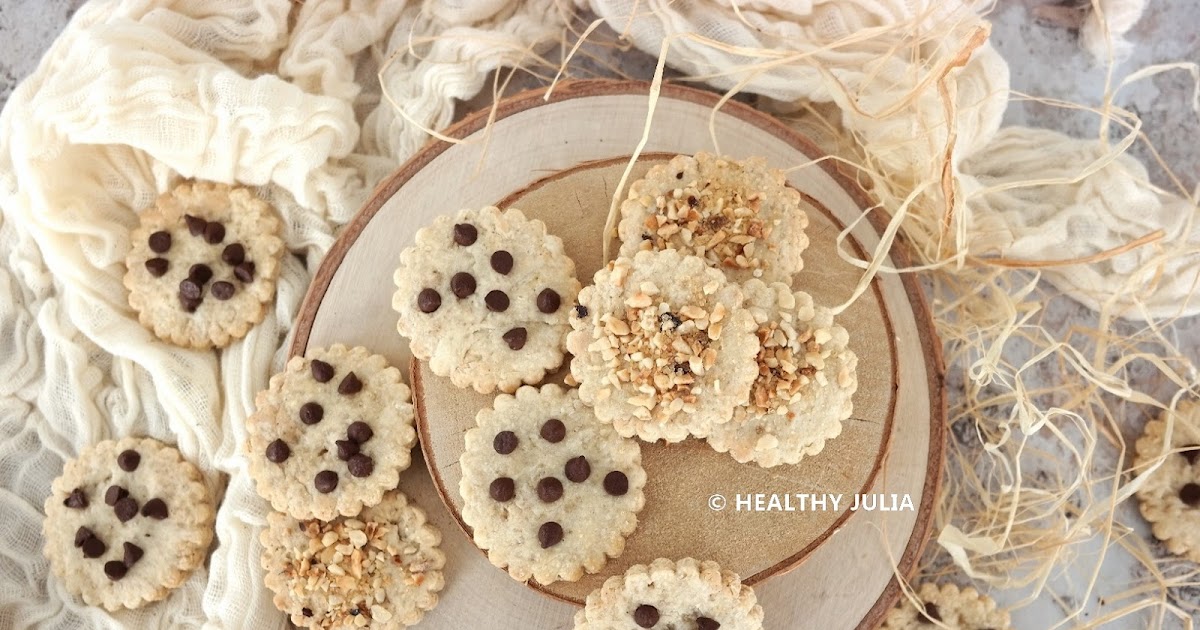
<point>1046,61</point>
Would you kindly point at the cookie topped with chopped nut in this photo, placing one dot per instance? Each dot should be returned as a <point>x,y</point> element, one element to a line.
<point>381,569</point>
<point>483,296</point>
<point>805,384</point>
<point>662,346</point>
<point>739,216</point>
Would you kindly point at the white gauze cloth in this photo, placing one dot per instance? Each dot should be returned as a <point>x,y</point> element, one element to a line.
<point>134,96</point>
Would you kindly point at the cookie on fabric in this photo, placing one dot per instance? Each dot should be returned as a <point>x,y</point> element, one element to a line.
<point>805,384</point>
<point>1170,497</point>
<point>381,569</point>
<point>331,434</point>
<point>549,491</point>
<point>662,347</point>
<point>484,296</point>
<point>202,264</point>
<point>666,595</point>
<point>739,216</point>
<point>126,522</point>
<point>965,609</point>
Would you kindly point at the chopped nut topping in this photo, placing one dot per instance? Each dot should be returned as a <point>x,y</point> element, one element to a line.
<point>718,224</point>
<point>788,360</point>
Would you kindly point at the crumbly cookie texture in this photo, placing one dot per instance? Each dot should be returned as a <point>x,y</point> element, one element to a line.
<point>331,434</point>
<point>739,216</point>
<point>666,595</point>
<point>662,346</point>
<point>202,264</point>
<point>381,569</point>
<point>126,522</point>
<point>964,609</point>
<point>549,491</point>
<point>1170,496</point>
<point>484,296</point>
<point>805,384</point>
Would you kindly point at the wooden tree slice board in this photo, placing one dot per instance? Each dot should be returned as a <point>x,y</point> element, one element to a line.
<point>560,162</point>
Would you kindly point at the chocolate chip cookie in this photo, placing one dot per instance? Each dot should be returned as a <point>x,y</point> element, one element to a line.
<point>331,434</point>
<point>1170,496</point>
<point>202,265</point>
<point>965,609</point>
<point>126,522</point>
<point>484,296</point>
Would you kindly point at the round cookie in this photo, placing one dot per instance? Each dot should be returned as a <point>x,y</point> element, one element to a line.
<point>666,595</point>
<point>484,296</point>
<point>382,569</point>
<point>331,434</point>
<point>126,522</point>
<point>549,491</point>
<point>1170,497</point>
<point>662,348</point>
<point>963,610</point>
<point>739,216</point>
<point>202,265</point>
<point>806,380</point>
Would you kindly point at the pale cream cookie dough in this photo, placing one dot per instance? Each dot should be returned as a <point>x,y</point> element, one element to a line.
<point>965,609</point>
<point>126,522</point>
<point>549,491</point>
<point>739,216</point>
<point>202,265</point>
<point>381,569</point>
<point>666,595</point>
<point>805,384</point>
<point>1170,497</point>
<point>332,433</point>
<point>484,296</point>
<point>662,346</point>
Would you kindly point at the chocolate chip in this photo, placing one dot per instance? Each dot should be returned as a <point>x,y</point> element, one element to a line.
<point>326,481</point>
<point>548,301</point>
<point>554,431</point>
<point>157,267</point>
<point>578,469</point>
<point>133,553</point>
<point>189,304</point>
<point>311,413</point>
<point>549,490</point>
<point>707,623</point>
<point>278,451</point>
<point>505,442</point>
<point>616,483</point>
<point>516,338</point>
<point>244,272</point>
<point>195,225</point>
<point>189,289</point>
<point>233,254</point>
<point>359,431</point>
<point>354,612</point>
<point>159,241</point>
<point>502,262</point>
<point>669,321</point>
<point>550,534</point>
<point>307,612</point>
<point>115,569</point>
<point>496,301</point>
<point>200,273</point>
<point>503,489</point>
<point>346,449</point>
<point>361,465</point>
<point>581,311</point>
<point>465,234</point>
<point>692,201</point>
<point>679,175</point>
<point>82,535</point>
<point>93,547</point>
<point>128,460</point>
<point>214,232</point>
<point>683,368</point>
<point>126,509</point>
<point>462,284</point>
<point>222,290</point>
<point>1190,494</point>
<point>428,300</point>
<point>114,494</point>
<point>155,509</point>
<point>321,371</point>
<point>645,616</point>
<point>932,612</point>
<point>1190,453</point>
<point>77,499</point>
<point>350,385</point>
